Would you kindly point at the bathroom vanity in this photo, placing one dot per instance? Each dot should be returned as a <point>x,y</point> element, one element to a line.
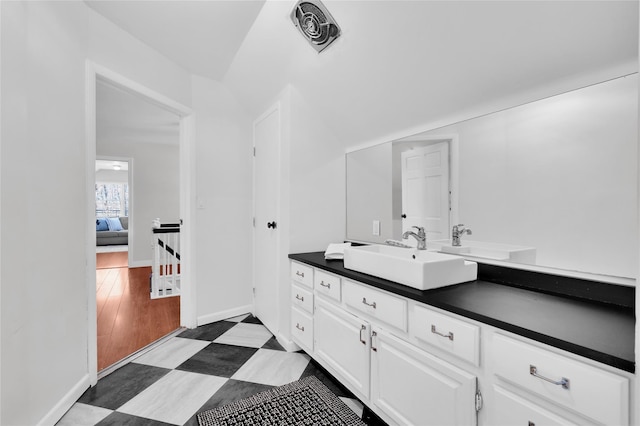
<point>512,347</point>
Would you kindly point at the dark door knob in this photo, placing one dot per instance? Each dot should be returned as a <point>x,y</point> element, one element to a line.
<point>404,216</point>
<point>271,225</point>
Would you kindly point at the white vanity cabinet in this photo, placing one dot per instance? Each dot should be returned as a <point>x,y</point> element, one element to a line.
<point>302,305</point>
<point>414,364</point>
<point>561,383</point>
<point>342,343</point>
<point>413,387</point>
<point>509,409</point>
<point>403,384</point>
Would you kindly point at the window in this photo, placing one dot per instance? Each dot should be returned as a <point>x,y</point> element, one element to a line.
<point>112,199</point>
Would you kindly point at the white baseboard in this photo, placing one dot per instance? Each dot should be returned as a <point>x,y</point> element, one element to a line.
<point>288,344</point>
<point>219,316</point>
<point>59,410</point>
<point>140,264</point>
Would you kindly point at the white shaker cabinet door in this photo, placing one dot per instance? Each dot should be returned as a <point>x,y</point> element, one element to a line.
<point>342,344</point>
<point>414,387</point>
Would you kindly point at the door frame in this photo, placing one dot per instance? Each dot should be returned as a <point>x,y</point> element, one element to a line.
<point>95,72</point>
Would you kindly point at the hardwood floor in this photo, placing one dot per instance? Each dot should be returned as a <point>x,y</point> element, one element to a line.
<point>128,319</point>
<point>118,259</point>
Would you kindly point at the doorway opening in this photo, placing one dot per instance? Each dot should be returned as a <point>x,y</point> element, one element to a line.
<point>127,120</point>
<point>113,212</point>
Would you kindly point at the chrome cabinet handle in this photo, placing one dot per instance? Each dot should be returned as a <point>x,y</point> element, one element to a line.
<point>299,328</point>
<point>327,285</point>
<point>564,382</point>
<point>300,298</point>
<point>300,274</point>
<point>373,336</point>
<point>364,301</point>
<point>363,328</point>
<point>434,331</point>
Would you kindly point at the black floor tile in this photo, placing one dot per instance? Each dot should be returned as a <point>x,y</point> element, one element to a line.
<point>117,388</point>
<point>273,344</point>
<point>251,320</point>
<point>218,360</point>
<point>371,418</point>
<point>231,391</point>
<point>209,332</point>
<point>121,419</point>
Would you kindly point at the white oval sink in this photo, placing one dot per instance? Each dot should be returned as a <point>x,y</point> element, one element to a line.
<point>418,269</point>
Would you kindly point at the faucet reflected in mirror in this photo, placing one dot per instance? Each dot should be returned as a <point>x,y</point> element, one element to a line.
<point>457,232</point>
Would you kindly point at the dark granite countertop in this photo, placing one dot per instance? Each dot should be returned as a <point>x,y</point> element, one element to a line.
<point>603,332</point>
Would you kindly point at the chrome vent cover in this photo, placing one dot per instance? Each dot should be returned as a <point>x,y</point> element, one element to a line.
<point>315,23</point>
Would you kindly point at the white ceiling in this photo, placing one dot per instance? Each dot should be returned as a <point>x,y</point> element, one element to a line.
<point>110,164</point>
<point>398,65</point>
<point>125,118</point>
<point>201,36</point>
<point>403,65</point>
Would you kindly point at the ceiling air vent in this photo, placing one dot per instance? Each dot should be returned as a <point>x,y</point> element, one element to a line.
<point>315,23</point>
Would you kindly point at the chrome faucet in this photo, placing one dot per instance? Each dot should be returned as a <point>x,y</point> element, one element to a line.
<point>457,232</point>
<point>421,237</point>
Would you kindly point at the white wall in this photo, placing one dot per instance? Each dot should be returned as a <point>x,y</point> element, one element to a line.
<point>224,203</point>
<point>312,192</point>
<point>370,168</point>
<point>44,290</point>
<point>112,176</point>
<point>155,191</point>
<point>44,329</point>
<point>316,179</point>
<point>635,406</point>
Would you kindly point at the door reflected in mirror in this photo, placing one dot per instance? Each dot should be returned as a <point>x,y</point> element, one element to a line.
<point>557,175</point>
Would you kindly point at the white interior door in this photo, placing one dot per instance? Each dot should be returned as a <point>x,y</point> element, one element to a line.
<point>266,134</point>
<point>425,190</point>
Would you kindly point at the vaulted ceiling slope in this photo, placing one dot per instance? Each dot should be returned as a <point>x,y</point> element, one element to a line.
<point>403,64</point>
<point>398,65</point>
<point>202,36</point>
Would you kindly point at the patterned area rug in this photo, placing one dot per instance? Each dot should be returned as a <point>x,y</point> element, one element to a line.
<point>304,402</point>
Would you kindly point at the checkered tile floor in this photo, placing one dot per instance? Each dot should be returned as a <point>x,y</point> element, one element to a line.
<point>199,369</point>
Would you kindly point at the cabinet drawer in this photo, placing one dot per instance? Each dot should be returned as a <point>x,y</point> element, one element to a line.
<point>302,329</point>
<point>327,284</point>
<point>302,274</point>
<point>302,297</point>
<point>509,409</point>
<point>445,332</point>
<point>588,390</point>
<point>385,307</point>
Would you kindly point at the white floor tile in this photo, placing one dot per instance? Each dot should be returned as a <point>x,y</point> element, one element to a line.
<point>270,367</point>
<point>242,334</point>
<point>354,404</point>
<point>238,318</point>
<point>83,415</point>
<point>172,353</point>
<point>175,397</point>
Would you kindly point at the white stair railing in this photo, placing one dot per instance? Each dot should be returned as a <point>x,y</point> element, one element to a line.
<point>165,275</point>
